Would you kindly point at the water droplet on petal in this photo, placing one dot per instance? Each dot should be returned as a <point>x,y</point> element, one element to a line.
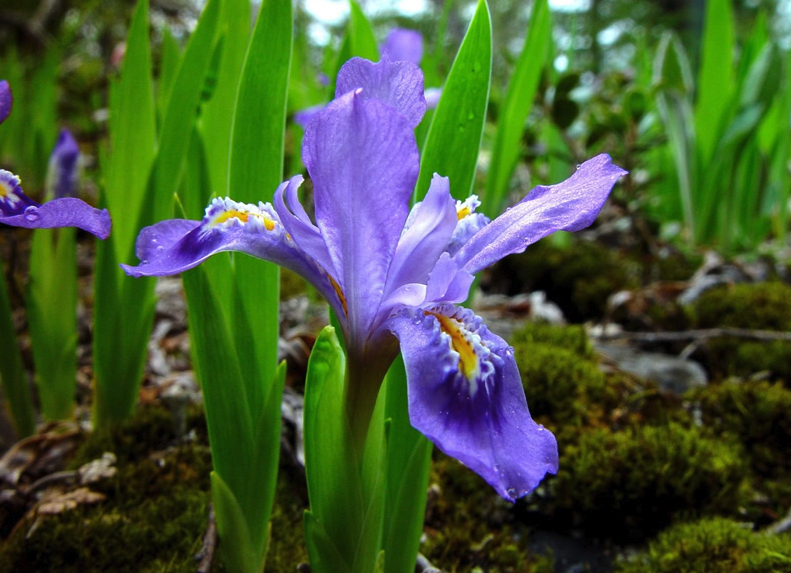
<point>541,428</point>
<point>578,166</point>
<point>511,491</point>
<point>31,216</point>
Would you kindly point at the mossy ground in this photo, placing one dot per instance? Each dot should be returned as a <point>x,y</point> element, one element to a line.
<point>155,513</point>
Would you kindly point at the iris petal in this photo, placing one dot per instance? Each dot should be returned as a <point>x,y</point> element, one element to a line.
<point>19,210</point>
<point>569,206</point>
<point>398,84</point>
<point>363,160</point>
<point>403,45</point>
<point>466,396</point>
<point>6,100</point>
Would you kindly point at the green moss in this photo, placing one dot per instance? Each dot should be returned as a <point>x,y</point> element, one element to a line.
<point>758,413</point>
<point>559,385</point>
<point>761,306</point>
<point>631,483</point>
<point>153,517</point>
<point>579,278</point>
<point>711,546</point>
<point>287,540</point>
<point>572,338</point>
<point>470,528</point>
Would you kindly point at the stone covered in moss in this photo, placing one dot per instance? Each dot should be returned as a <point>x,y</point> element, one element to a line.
<point>632,483</point>
<point>759,306</point>
<point>714,546</point>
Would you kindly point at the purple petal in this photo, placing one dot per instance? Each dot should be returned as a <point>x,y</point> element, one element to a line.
<point>470,222</point>
<point>403,45</point>
<point>18,210</point>
<point>6,100</point>
<point>398,84</point>
<point>465,395</point>
<point>13,200</point>
<point>362,157</point>
<point>304,116</point>
<point>447,282</point>
<point>428,229</point>
<point>176,245</point>
<point>63,164</point>
<point>569,206</point>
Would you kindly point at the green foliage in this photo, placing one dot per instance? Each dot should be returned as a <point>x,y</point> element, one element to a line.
<point>761,306</point>
<point>516,107</point>
<point>714,546</point>
<point>454,137</point>
<point>633,482</point>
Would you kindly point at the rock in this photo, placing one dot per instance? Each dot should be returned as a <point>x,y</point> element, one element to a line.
<point>670,373</point>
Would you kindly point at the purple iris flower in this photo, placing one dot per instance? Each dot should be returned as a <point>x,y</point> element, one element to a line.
<point>19,210</point>
<point>401,45</point>
<point>395,276</point>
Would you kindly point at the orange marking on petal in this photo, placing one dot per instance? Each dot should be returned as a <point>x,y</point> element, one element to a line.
<point>233,214</point>
<point>468,360</point>
<point>340,294</point>
<point>463,212</point>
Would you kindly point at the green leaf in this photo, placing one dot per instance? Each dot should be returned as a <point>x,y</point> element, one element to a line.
<point>518,102</point>
<point>408,463</point>
<point>361,34</point>
<point>671,66</point>
<point>454,138</point>
<point>217,115</point>
<point>715,77</point>
<point>236,549</point>
<point>132,134</point>
<point>52,313</point>
<point>12,373</point>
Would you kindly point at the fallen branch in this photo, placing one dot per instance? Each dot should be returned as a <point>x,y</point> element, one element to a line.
<point>698,334</point>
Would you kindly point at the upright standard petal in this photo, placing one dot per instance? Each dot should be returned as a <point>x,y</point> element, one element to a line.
<point>19,210</point>
<point>362,157</point>
<point>398,84</point>
<point>403,45</point>
<point>6,100</point>
<point>63,166</point>
<point>569,206</point>
<point>465,395</point>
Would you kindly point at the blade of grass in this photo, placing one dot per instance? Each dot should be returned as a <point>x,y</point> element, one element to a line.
<point>518,102</point>
<point>454,138</point>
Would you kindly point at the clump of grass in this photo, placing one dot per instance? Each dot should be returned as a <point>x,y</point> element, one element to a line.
<point>713,545</point>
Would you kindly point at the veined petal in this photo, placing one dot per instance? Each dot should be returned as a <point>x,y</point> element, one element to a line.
<point>362,157</point>
<point>176,245</point>
<point>426,234</point>
<point>403,45</point>
<point>304,116</point>
<point>6,100</point>
<point>447,282</point>
<point>298,224</point>
<point>569,206</point>
<point>398,84</point>
<point>465,395</point>
<point>19,210</point>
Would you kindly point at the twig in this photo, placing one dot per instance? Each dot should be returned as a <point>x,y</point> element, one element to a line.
<point>699,334</point>
<point>206,553</point>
